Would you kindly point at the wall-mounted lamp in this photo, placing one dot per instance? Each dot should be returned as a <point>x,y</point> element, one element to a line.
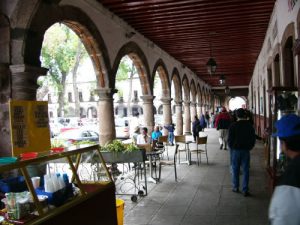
<point>222,80</point>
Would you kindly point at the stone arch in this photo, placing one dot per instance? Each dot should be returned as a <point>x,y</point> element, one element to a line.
<point>288,59</point>
<point>177,84</point>
<point>162,71</point>
<point>80,23</point>
<point>289,31</point>
<point>139,59</point>
<point>193,91</point>
<point>186,88</point>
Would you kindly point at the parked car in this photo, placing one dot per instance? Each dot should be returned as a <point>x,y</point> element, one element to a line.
<point>122,128</point>
<point>71,136</point>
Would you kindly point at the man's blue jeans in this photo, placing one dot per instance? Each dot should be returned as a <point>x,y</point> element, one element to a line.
<point>240,158</point>
<point>171,137</point>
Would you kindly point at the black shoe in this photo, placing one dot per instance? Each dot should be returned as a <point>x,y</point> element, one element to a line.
<point>247,194</point>
<point>221,146</point>
<point>236,190</point>
<point>225,148</point>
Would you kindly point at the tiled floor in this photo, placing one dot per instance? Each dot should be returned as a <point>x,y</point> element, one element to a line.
<point>202,195</point>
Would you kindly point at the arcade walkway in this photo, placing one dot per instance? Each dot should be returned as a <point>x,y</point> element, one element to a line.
<point>202,195</point>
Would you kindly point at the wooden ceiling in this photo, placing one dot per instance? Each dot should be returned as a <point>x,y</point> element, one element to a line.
<point>185,29</point>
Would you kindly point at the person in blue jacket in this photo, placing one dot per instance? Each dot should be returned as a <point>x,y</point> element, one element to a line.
<point>171,129</point>
<point>156,133</point>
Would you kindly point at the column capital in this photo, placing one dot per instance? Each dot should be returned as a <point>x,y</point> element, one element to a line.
<point>186,102</point>
<point>24,68</point>
<point>166,101</point>
<point>194,104</point>
<point>178,102</point>
<point>24,80</point>
<point>147,98</point>
<point>105,93</point>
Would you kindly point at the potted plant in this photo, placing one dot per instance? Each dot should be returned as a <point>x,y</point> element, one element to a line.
<point>117,152</point>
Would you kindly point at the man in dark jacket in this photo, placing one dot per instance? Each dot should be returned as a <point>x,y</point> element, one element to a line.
<point>241,139</point>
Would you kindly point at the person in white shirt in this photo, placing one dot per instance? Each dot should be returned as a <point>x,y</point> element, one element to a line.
<point>143,138</point>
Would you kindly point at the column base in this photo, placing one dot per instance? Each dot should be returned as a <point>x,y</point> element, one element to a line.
<point>187,133</point>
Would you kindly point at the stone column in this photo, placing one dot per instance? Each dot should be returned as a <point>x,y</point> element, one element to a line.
<point>16,82</point>
<point>106,117</point>
<point>5,141</point>
<point>24,81</point>
<point>193,110</point>
<point>148,112</point>
<point>179,119</point>
<point>187,117</point>
<point>198,110</point>
<point>167,112</point>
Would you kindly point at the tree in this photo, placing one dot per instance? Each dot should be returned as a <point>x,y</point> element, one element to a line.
<point>127,71</point>
<point>62,52</point>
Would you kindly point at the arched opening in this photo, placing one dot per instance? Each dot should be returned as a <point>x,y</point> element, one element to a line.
<point>161,91</point>
<point>132,81</point>
<point>176,95</point>
<point>92,112</point>
<point>277,78</point>
<point>236,103</point>
<point>138,60</point>
<point>288,63</point>
<point>127,100</point>
<point>71,78</point>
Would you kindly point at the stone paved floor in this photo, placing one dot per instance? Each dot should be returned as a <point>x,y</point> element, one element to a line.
<point>202,195</point>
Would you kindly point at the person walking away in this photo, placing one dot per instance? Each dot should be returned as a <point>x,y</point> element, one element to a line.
<point>241,139</point>
<point>143,137</point>
<point>196,127</point>
<point>212,120</point>
<point>207,119</point>
<point>171,129</point>
<point>156,133</point>
<point>285,205</point>
<point>222,124</point>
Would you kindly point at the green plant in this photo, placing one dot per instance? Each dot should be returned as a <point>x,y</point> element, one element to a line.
<point>114,146</point>
<point>55,143</point>
<point>85,142</point>
<point>132,147</point>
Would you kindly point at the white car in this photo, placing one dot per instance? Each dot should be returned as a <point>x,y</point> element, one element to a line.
<point>69,137</point>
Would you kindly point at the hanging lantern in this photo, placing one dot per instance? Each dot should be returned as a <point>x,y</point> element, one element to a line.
<point>211,66</point>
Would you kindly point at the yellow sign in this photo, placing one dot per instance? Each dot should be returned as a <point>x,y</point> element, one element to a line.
<point>29,126</point>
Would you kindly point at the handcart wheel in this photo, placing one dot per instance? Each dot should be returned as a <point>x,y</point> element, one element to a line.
<point>140,193</point>
<point>134,198</point>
